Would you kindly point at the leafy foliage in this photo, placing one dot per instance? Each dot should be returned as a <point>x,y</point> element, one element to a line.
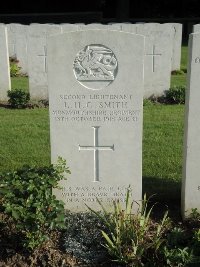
<point>27,197</point>
<point>14,68</point>
<point>177,251</point>
<point>176,95</point>
<point>18,98</point>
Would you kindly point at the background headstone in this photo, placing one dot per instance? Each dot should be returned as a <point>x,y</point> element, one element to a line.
<point>21,47</point>
<point>196,28</point>
<point>67,27</point>
<point>158,57</point>
<point>11,32</point>
<point>129,27</point>
<point>99,26</point>
<point>176,58</point>
<point>37,58</point>
<point>5,84</point>
<point>95,96</point>
<point>191,169</point>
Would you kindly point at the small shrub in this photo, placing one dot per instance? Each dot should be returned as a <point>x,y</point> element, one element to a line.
<point>178,257</point>
<point>177,72</point>
<point>18,98</point>
<point>176,95</point>
<point>27,197</point>
<point>14,68</point>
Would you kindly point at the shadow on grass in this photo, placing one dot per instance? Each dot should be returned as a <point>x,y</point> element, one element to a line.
<point>165,194</point>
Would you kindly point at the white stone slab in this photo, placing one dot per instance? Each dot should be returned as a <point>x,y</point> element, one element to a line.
<point>21,47</point>
<point>158,57</point>
<point>67,27</point>
<point>95,94</point>
<point>99,26</point>
<point>191,169</point>
<point>196,28</point>
<point>5,84</point>
<point>37,58</point>
<point>132,28</point>
<point>11,31</point>
<point>17,40</point>
<point>176,58</point>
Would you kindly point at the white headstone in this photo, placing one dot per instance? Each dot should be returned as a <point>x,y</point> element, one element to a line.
<point>5,84</point>
<point>67,27</point>
<point>132,28</point>
<point>196,28</point>
<point>191,169</point>
<point>99,26</point>
<point>176,58</point>
<point>95,94</point>
<point>11,31</point>
<point>158,57</point>
<point>37,58</point>
<point>21,47</point>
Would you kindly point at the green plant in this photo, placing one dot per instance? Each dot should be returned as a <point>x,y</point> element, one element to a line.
<point>176,95</point>
<point>18,98</point>
<point>195,215</point>
<point>14,68</point>
<point>27,197</point>
<point>177,257</point>
<point>177,251</point>
<point>132,238</point>
<point>178,72</point>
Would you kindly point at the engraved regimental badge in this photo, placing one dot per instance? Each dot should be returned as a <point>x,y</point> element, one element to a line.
<point>95,67</point>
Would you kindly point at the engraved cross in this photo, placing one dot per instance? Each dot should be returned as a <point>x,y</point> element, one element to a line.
<point>45,58</point>
<point>96,148</point>
<point>153,54</point>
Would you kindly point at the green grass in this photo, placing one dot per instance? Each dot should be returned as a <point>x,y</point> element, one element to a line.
<point>20,83</point>
<point>180,80</point>
<point>184,55</point>
<point>24,138</point>
<point>163,150</point>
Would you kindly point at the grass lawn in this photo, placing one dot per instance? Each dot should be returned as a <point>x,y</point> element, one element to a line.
<point>162,150</point>
<point>180,80</point>
<point>20,83</point>
<point>24,138</point>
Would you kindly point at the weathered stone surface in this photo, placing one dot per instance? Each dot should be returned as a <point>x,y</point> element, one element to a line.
<point>176,58</point>
<point>5,84</point>
<point>37,58</point>
<point>191,169</point>
<point>95,94</point>
<point>158,57</point>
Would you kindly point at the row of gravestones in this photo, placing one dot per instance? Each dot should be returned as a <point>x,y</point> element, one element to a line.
<point>95,83</point>
<point>28,45</point>
<point>96,116</point>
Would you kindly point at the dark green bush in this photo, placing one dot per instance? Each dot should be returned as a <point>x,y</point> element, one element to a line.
<point>27,197</point>
<point>18,98</point>
<point>176,95</point>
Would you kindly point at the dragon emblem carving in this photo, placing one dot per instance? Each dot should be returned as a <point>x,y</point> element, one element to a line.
<point>95,63</point>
